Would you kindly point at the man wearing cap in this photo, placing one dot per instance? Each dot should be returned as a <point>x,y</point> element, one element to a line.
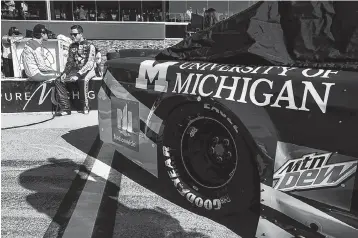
<point>34,58</point>
<point>80,67</point>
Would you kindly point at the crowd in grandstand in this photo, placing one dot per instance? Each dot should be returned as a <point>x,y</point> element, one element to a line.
<point>151,11</point>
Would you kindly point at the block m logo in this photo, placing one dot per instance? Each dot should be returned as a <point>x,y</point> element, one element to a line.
<point>152,71</point>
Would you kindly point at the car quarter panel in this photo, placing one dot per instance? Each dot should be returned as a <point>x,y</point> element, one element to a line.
<point>289,112</point>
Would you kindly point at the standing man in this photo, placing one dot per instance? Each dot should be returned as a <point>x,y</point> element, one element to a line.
<point>13,35</point>
<point>80,68</point>
<point>33,56</point>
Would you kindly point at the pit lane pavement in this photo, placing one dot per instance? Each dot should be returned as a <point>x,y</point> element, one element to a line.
<point>57,181</point>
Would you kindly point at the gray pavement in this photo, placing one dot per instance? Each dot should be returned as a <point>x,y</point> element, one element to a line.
<point>55,182</point>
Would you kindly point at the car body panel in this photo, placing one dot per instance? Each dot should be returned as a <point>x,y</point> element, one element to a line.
<point>291,114</point>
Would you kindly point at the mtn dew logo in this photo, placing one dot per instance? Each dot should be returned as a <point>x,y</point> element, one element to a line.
<point>312,171</point>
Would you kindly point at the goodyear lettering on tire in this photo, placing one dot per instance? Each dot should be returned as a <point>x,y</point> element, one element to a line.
<point>184,190</point>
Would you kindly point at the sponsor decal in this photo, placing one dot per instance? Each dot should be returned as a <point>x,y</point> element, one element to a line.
<point>312,171</point>
<point>191,195</point>
<point>125,123</point>
<point>227,83</point>
<point>45,93</point>
<point>30,96</point>
<point>148,72</point>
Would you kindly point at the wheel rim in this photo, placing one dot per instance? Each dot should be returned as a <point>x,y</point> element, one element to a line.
<point>208,152</point>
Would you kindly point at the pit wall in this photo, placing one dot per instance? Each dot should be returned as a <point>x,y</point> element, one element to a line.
<point>23,95</point>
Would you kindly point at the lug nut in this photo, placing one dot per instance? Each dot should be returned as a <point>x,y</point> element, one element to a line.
<point>228,154</point>
<point>219,159</point>
<point>215,139</point>
<point>226,142</point>
<point>211,150</point>
<point>192,130</point>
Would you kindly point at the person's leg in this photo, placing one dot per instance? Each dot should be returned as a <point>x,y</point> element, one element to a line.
<point>62,98</point>
<point>83,86</point>
<point>61,93</point>
<point>11,68</point>
<point>43,76</point>
<point>6,67</point>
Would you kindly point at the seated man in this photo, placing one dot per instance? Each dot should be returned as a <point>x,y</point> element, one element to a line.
<point>33,56</point>
<point>80,67</point>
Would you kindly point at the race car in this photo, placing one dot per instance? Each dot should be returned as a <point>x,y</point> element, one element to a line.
<point>267,150</point>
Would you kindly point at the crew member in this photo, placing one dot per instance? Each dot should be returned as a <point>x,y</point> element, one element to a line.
<point>13,35</point>
<point>34,59</point>
<point>80,68</point>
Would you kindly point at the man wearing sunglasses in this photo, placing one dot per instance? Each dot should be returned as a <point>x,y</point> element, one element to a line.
<point>33,56</point>
<point>80,67</point>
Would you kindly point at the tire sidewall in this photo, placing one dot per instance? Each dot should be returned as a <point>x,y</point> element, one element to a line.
<point>243,188</point>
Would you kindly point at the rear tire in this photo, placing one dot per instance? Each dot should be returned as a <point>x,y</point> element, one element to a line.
<point>207,160</point>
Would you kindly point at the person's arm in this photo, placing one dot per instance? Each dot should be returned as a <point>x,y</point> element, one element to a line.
<point>18,37</point>
<point>91,57</point>
<point>70,61</point>
<point>5,39</point>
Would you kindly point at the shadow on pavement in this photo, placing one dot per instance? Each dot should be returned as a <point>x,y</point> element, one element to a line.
<point>82,138</point>
<point>243,223</point>
<point>58,186</point>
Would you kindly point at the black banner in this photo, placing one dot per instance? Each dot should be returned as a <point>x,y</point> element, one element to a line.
<point>30,96</point>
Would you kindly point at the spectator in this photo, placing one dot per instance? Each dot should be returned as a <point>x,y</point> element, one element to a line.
<point>13,35</point>
<point>24,10</point>
<point>188,14</point>
<point>113,15</point>
<point>11,8</point>
<point>83,13</point>
<point>80,67</point>
<point>204,10</point>
<point>33,56</point>
<point>76,13</point>
<point>92,15</point>
<point>63,14</point>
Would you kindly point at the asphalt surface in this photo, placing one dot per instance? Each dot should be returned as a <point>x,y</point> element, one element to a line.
<point>57,180</point>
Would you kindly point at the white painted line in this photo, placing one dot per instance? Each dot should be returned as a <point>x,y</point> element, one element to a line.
<point>101,169</point>
<point>84,216</point>
<point>84,176</point>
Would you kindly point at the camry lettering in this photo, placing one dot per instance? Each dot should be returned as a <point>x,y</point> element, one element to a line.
<point>312,171</point>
